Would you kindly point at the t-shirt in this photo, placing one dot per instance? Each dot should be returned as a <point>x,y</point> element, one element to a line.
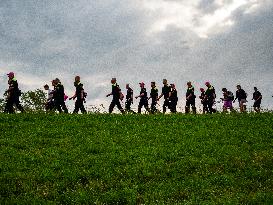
<point>143,91</point>
<point>129,94</point>
<point>241,94</point>
<point>116,91</point>
<point>173,96</point>
<point>256,95</point>
<point>59,93</point>
<point>154,93</point>
<point>49,95</point>
<point>166,91</point>
<point>210,93</point>
<point>190,91</point>
<point>79,89</point>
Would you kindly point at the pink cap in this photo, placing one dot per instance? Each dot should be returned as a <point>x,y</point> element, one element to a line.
<point>10,74</point>
<point>141,83</point>
<point>202,89</point>
<point>207,83</point>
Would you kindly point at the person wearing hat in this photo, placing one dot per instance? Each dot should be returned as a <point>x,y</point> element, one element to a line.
<point>190,99</point>
<point>173,98</point>
<point>166,89</point>
<point>241,95</point>
<point>117,96</point>
<point>210,97</point>
<point>257,97</point>
<point>13,95</point>
<point>80,95</point>
<point>143,98</point>
<point>59,96</point>
<point>203,100</point>
<point>129,99</point>
<point>153,96</point>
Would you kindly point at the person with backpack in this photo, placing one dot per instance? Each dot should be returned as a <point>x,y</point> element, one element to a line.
<point>241,95</point>
<point>190,99</point>
<point>80,95</point>
<point>228,98</point>
<point>257,97</point>
<point>143,98</point>
<point>173,98</point>
<point>117,96</point>
<point>13,95</point>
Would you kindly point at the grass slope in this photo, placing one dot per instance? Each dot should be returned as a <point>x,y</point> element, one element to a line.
<point>132,159</point>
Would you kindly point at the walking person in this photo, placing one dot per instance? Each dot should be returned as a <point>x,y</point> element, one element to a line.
<point>80,95</point>
<point>49,105</point>
<point>210,97</point>
<point>13,95</point>
<point>241,95</point>
<point>228,98</point>
<point>153,96</point>
<point>190,99</point>
<point>257,97</point>
<point>59,96</point>
<point>203,100</point>
<point>129,99</point>
<point>166,89</point>
<point>173,98</point>
<point>117,96</point>
<point>143,98</point>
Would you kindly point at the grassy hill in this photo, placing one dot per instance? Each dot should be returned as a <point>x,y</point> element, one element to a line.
<point>133,159</point>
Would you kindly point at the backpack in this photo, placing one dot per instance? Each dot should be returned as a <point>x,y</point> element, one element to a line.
<point>230,95</point>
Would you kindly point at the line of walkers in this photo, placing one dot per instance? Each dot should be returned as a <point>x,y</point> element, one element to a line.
<point>169,92</point>
<point>57,97</point>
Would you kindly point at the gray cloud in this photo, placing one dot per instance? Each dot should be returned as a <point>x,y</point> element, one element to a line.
<point>101,39</point>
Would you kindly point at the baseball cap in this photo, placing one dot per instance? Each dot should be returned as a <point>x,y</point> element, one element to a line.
<point>10,73</point>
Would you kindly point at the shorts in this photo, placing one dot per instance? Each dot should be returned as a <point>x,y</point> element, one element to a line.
<point>243,101</point>
<point>257,104</point>
<point>228,104</point>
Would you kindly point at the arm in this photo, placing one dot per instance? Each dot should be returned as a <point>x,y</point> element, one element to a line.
<point>109,94</point>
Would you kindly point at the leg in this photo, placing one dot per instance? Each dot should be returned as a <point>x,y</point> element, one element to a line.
<point>9,107</point>
<point>77,107</point>
<point>111,107</point>
<point>193,106</point>
<point>64,107</point>
<point>119,106</point>
<point>18,105</point>
<point>82,108</point>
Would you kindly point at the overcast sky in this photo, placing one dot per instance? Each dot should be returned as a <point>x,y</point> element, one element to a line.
<point>227,42</point>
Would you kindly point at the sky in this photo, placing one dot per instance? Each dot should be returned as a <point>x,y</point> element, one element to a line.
<point>226,42</point>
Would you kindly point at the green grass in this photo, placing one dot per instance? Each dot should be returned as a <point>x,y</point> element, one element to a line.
<point>133,159</point>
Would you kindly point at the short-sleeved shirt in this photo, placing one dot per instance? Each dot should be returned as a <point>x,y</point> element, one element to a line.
<point>256,95</point>
<point>210,92</point>
<point>79,89</point>
<point>154,93</point>
<point>166,91</point>
<point>241,94</point>
<point>129,93</point>
<point>116,91</point>
<point>143,91</point>
<point>190,91</point>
